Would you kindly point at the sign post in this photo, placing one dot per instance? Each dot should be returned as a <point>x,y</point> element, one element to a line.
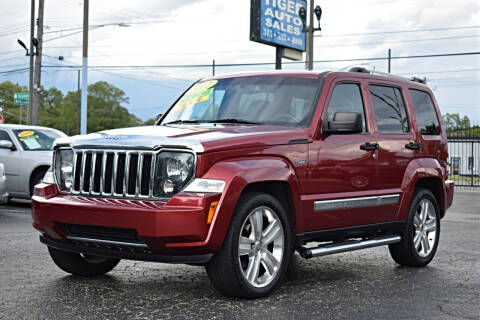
<point>21,99</point>
<point>277,23</point>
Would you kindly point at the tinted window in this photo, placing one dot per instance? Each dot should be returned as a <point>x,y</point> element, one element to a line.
<point>426,117</point>
<point>288,101</point>
<point>36,140</point>
<point>389,110</point>
<point>346,97</point>
<point>4,135</point>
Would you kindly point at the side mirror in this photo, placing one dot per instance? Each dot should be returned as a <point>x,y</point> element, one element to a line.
<point>158,117</point>
<point>345,123</point>
<point>5,144</point>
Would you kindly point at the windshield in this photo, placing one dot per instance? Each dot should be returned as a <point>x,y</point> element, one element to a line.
<point>288,101</point>
<point>36,140</point>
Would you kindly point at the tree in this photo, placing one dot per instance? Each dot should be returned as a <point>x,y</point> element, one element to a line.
<point>149,122</point>
<point>454,121</point>
<point>105,108</point>
<point>7,90</point>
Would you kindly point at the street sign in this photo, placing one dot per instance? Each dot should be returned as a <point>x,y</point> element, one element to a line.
<point>20,99</point>
<point>277,23</point>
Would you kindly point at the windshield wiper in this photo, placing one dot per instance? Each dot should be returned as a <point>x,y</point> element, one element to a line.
<point>182,122</point>
<point>232,120</point>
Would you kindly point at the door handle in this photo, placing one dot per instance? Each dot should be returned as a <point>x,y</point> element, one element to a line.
<point>369,146</point>
<point>413,146</point>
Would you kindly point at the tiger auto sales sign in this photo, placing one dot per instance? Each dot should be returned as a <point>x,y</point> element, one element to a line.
<point>277,23</point>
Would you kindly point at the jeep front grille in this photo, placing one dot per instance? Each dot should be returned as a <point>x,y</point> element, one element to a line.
<point>116,173</point>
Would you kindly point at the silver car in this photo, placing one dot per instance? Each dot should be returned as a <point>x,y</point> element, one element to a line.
<point>26,152</point>
<point>3,185</point>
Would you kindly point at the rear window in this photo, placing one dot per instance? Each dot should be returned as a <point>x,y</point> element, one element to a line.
<point>426,116</point>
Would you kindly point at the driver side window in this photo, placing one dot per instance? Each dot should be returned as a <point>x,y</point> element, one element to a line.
<point>346,97</point>
<point>5,136</point>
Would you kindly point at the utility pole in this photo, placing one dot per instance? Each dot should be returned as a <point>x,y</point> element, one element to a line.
<point>389,60</point>
<point>79,104</point>
<point>278,58</point>
<point>35,112</point>
<point>213,67</point>
<point>30,82</point>
<point>83,112</point>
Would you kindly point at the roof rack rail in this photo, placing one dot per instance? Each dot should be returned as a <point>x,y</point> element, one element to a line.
<point>365,70</point>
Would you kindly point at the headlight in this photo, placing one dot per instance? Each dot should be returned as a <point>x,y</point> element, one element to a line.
<point>174,171</point>
<point>64,169</point>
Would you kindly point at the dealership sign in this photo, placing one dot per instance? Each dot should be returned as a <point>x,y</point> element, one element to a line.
<point>277,23</point>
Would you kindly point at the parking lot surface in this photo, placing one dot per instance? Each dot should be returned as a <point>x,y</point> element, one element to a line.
<point>357,285</point>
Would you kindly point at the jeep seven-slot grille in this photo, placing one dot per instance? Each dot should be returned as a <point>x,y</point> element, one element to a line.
<point>116,173</point>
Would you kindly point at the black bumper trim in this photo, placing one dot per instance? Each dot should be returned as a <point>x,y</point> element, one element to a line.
<point>124,254</point>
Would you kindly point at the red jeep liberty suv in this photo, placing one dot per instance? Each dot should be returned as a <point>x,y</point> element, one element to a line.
<point>245,169</point>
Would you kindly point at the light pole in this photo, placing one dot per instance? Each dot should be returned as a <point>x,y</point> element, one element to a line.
<point>310,30</point>
<point>83,108</point>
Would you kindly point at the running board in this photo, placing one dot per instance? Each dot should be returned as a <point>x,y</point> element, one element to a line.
<point>346,246</point>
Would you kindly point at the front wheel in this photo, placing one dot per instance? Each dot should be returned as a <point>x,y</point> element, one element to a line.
<point>256,249</point>
<point>80,264</point>
<point>422,232</point>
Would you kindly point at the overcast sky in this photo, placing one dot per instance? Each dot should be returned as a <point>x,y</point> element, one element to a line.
<point>166,32</point>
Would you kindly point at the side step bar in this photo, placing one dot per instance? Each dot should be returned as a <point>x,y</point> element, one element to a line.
<point>346,246</point>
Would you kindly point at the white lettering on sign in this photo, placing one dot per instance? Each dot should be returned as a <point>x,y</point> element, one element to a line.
<point>291,6</point>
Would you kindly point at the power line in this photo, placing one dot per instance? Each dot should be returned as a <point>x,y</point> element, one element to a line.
<point>289,62</point>
<point>397,31</point>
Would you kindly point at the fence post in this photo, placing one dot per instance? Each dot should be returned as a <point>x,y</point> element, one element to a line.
<point>471,167</point>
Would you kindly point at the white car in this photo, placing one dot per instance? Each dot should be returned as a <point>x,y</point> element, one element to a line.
<point>26,152</point>
<point>3,185</point>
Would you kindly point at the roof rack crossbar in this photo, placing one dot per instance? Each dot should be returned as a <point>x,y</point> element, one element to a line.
<point>365,70</point>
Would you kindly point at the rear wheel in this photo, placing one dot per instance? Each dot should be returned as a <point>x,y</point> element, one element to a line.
<point>80,264</point>
<point>421,235</point>
<point>256,249</point>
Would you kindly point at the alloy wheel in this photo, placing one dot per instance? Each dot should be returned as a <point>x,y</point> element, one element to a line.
<point>260,246</point>
<point>425,228</point>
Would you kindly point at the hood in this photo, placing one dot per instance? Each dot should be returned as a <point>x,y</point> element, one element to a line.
<point>199,138</point>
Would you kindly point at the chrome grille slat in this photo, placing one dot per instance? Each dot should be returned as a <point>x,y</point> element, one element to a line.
<point>91,188</point>
<point>103,172</point>
<point>139,181</point>
<point>115,166</point>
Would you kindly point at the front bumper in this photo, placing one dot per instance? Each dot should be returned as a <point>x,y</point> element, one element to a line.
<point>147,230</point>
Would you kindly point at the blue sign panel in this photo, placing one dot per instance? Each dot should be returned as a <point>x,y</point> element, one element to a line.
<point>280,23</point>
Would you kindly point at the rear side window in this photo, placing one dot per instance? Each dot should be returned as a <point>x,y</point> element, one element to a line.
<point>426,116</point>
<point>390,110</point>
<point>346,97</point>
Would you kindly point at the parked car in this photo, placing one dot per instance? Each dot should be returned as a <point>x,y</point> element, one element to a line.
<point>26,152</point>
<point>242,170</point>
<point>3,185</point>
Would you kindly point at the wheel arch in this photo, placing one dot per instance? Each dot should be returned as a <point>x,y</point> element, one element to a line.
<point>35,171</point>
<point>272,175</point>
<point>423,173</point>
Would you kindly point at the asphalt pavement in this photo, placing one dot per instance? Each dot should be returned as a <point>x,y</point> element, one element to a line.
<point>364,284</point>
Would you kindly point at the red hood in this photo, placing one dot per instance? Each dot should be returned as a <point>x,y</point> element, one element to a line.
<point>215,137</point>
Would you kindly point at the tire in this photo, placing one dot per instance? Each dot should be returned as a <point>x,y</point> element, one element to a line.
<point>36,179</point>
<point>81,265</point>
<point>255,270</point>
<point>420,237</point>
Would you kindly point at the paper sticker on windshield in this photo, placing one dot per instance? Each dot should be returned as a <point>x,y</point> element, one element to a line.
<point>28,138</point>
<point>193,98</point>
<point>32,144</point>
<point>202,87</point>
<point>26,133</point>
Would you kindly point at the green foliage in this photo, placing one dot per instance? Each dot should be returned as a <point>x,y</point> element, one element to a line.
<point>149,122</point>
<point>105,110</point>
<point>453,120</point>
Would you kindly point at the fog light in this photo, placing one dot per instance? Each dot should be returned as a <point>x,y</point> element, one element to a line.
<point>168,186</point>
